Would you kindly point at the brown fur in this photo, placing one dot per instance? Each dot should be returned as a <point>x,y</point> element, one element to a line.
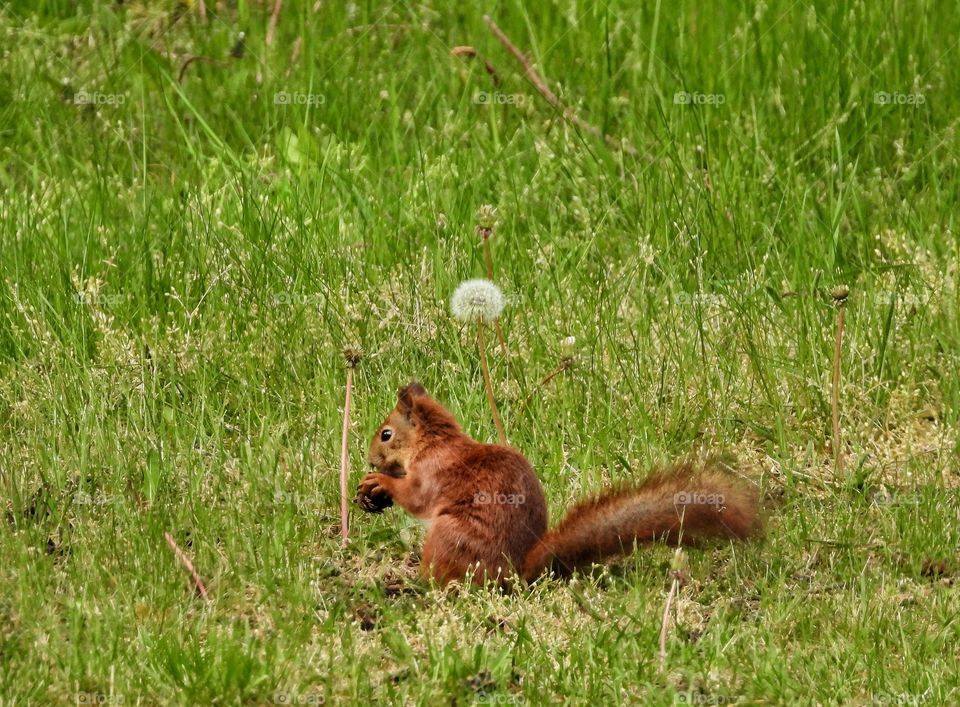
<point>488,513</point>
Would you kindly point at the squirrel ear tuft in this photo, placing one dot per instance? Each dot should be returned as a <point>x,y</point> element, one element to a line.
<point>406,395</point>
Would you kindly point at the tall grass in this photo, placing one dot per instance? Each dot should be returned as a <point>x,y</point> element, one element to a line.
<point>185,254</point>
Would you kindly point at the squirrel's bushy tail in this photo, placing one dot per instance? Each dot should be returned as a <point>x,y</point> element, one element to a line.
<point>683,504</point>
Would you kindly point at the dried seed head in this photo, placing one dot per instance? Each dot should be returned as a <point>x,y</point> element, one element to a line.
<point>568,349</point>
<point>487,217</point>
<point>352,356</point>
<point>477,300</point>
<point>840,294</point>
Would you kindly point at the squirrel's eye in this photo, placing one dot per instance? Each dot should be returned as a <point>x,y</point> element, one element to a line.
<point>386,435</point>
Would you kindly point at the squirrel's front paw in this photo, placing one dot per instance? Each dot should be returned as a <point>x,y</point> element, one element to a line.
<point>371,496</point>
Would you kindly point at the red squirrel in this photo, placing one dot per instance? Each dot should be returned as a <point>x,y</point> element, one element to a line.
<point>488,516</point>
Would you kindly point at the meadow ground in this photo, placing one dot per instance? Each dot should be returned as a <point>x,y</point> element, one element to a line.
<point>194,225</point>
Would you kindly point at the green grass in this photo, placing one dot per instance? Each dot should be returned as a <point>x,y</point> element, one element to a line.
<point>182,263</point>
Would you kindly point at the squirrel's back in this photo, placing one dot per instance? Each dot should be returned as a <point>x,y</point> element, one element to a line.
<point>494,493</point>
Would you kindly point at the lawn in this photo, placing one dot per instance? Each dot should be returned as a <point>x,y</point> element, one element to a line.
<point>198,215</point>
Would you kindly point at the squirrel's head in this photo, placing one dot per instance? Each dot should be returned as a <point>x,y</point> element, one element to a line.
<point>414,420</point>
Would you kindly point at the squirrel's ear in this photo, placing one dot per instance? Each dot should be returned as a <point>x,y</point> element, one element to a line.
<point>406,395</point>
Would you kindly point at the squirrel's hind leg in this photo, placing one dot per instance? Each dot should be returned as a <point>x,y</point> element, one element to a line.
<point>452,553</point>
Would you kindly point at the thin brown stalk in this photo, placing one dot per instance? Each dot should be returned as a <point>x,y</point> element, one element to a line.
<point>471,53</point>
<point>190,60</point>
<point>486,378</point>
<point>835,398</point>
<point>552,98</point>
<point>839,294</point>
<point>503,343</point>
<point>295,53</point>
<point>665,622</point>
<point>188,565</point>
<point>488,260</point>
<point>274,19</point>
<point>352,357</point>
<point>343,460</point>
<point>565,363</point>
<point>677,570</point>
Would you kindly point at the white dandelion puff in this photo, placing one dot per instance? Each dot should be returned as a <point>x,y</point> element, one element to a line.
<point>480,301</point>
<point>477,300</point>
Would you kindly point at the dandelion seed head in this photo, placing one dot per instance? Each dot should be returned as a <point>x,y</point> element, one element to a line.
<point>487,216</point>
<point>840,294</point>
<point>352,355</point>
<point>477,300</point>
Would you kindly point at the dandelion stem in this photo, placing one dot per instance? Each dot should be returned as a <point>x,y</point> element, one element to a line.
<point>488,260</point>
<point>343,459</point>
<point>486,378</point>
<point>835,401</point>
<point>503,344</point>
